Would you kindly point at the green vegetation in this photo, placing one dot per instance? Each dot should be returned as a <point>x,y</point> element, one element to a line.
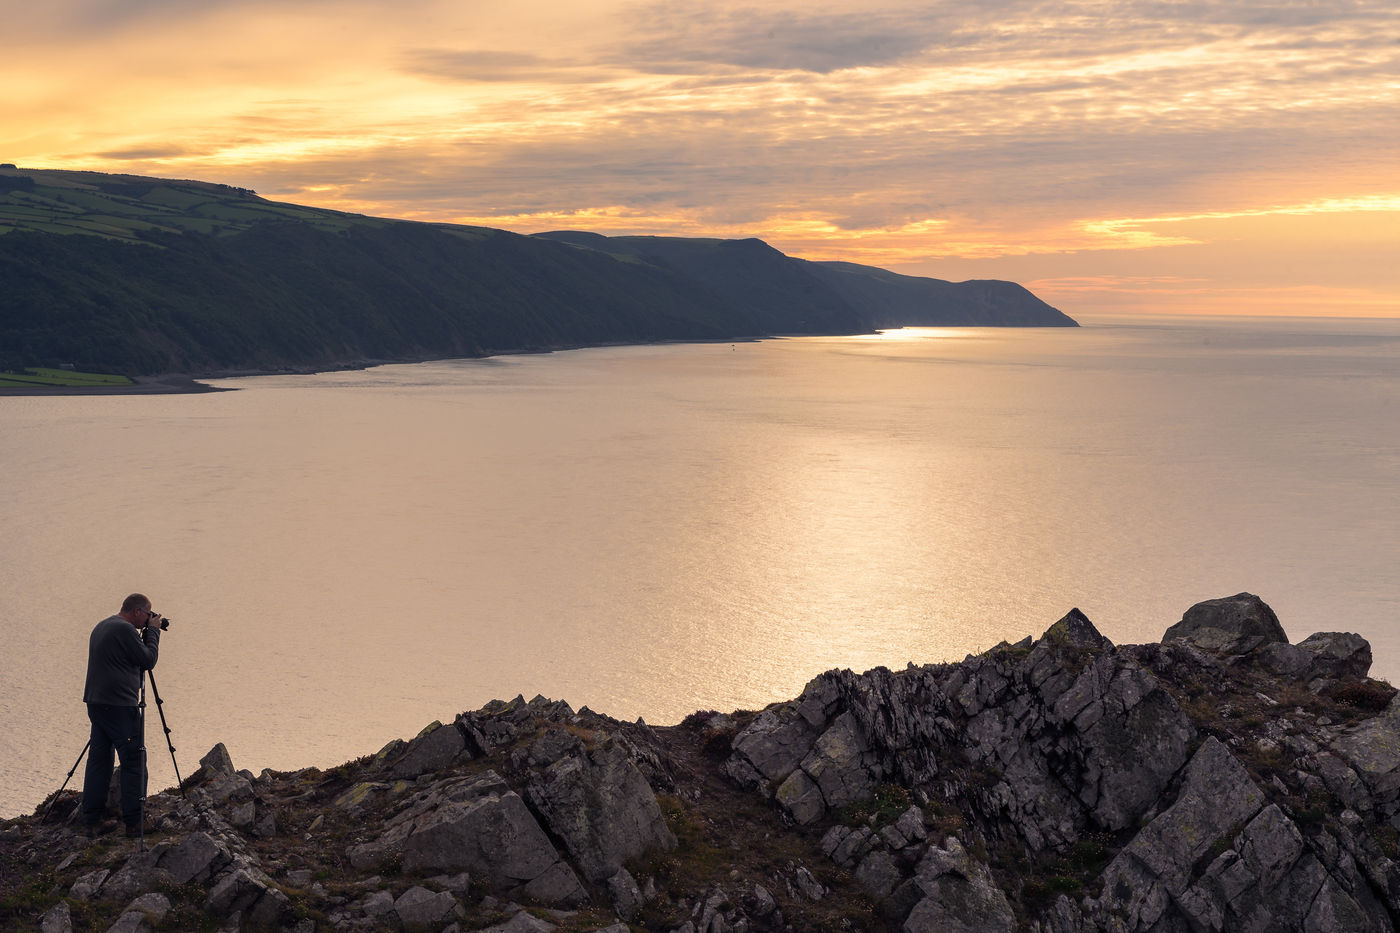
<point>43,376</point>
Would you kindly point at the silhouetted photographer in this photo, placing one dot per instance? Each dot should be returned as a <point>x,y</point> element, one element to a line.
<point>120,651</point>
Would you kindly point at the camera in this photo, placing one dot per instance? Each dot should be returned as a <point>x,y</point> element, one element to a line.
<point>164,623</point>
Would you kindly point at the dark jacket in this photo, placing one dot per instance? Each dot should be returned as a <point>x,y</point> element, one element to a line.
<point>118,652</point>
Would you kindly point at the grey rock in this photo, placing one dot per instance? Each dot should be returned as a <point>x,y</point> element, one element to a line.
<point>198,857</point>
<point>249,892</point>
<point>775,743</point>
<point>1321,657</point>
<point>878,874</point>
<point>625,895</point>
<point>421,909</point>
<point>142,915</point>
<point>800,796</point>
<point>86,886</point>
<point>1148,876</point>
<point>763,903</point>
<point>840,764</point>
<point>242,814</point>
<point>137,875</point>
<point>602,808</point>
<point>552,746</point>
<point>801,883</point>
<point>1372,749</point>
<point>458,884</point>
<point>477,825</point>
<point>217,763</point>
<point>378,904</point>
<point>436,747</point>
<point>1232,625</point>
<point>57,919</point>
<point>300,878</point>
<point>958,895</point>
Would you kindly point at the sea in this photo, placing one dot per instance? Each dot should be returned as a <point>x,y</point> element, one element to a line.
<point>654,530</point>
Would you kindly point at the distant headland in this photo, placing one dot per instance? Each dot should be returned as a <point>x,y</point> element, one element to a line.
<point>1224,779</point>
<point>147,276</point>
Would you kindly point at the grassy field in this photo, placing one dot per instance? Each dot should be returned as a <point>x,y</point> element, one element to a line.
<point>122,207</point>
<point>39,376</point>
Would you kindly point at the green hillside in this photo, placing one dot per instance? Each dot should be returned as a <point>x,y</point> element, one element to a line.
<point>135,275</point>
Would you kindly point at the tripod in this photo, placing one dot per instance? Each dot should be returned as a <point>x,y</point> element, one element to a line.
<point>160,708</point>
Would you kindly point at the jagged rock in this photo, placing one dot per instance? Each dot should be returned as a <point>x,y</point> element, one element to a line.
<point>906,830</point>
<point>197,858</point>
<point>552,746</point>
<point>763,903</point>
<point>249,892</point>
<point>625,895</point>
<point>137,875</point>
<point>358,794</point>
<point>774,744</point>
<point>1232,625</point>
<point>1149,877</point>
<point>57,919</point>
<point>801,883</point>
<point>481,826</point>
<point>878,874</point>
<point>1321,658</point>
<point>958,895</point>
<point>436,747</point>
<point>421,909</point>
<point>1372,748</point>
<point>227,787</point>
<point>1065,762</point>
<point>243,814</point>
<point>86,886</point>
<point>602,808</point>
<point>142,915</point>
<point>1336,655</point>
<point>217,762</point>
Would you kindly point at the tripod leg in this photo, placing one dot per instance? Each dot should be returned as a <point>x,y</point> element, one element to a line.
<point>141,813</point>
<point>54,798</point>
<point>160,708</point>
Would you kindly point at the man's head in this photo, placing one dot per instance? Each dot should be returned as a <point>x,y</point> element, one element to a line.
<point>136,609</point>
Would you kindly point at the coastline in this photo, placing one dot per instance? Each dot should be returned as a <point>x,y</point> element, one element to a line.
<point>191,384</point>
<point>149,385</point>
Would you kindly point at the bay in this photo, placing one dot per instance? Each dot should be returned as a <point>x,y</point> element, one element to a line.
<point>653,530</point>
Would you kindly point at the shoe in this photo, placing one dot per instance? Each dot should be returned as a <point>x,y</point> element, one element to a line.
<point>133,832</point>
<point>102,828</point>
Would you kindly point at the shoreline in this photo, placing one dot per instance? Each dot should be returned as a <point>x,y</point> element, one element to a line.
<point>192,384</point>
<point>150,385</point>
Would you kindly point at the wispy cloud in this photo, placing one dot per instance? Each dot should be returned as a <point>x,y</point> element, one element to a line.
<point>886,132</point>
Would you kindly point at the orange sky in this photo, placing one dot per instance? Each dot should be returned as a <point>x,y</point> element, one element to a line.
<point>1174,155</point>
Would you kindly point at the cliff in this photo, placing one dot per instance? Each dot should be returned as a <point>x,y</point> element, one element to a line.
<point>123,273</point>
<point>1223,779</point>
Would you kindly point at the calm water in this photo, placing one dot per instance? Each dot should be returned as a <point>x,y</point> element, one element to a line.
<point>653,530</point>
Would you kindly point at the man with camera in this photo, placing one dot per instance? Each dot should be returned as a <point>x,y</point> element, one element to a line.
<point>120,650</point>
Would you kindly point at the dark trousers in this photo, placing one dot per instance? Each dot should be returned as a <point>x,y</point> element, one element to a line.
<point>114,729</point>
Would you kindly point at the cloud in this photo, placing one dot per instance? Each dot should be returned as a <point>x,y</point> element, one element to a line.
<point>863,129</point>
<point>145,153</point>
<point>490,65</point>
<point>672,39</point>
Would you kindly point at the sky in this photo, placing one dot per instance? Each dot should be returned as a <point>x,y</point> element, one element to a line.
<point>1226,157</point>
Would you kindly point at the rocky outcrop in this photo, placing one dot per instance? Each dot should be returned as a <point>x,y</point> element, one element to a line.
<point>1234,625</point>
<point>1223,779</point>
